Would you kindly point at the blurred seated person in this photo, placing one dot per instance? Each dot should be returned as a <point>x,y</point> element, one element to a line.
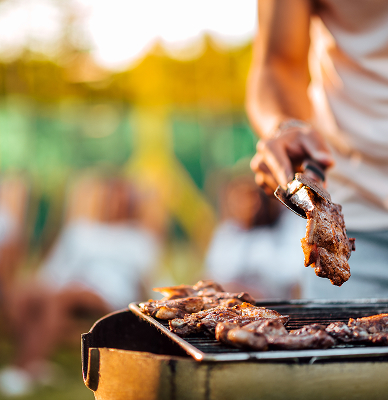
<point>111,253</point>
<point>13,206</point>
<point>252,250</point>
<point>100,263</point>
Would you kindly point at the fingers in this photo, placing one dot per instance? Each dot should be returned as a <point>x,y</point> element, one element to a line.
<point>275,158</point>
<point>271,164</point>
<point>263,176</point>
<point>317,149</point>
<point>278,161</point>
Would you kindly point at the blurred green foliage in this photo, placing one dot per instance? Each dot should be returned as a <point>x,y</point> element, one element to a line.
<point>61,117</point>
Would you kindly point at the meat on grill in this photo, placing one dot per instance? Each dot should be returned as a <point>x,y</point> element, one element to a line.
<point>272,334</point>
<point>340,332</point>
<point>205,308</point>
<point>226,299</point>
<point>201,288</point>
<point>241,337</point>
<point>169,309</point>
<point>326,247</point>
<point>310,329</point>
<point>343,333</point>
<point>374,324</point>
<point>202,296</point>
<point>368,330</point>
<point>317,339</point>
<point>206,321</point>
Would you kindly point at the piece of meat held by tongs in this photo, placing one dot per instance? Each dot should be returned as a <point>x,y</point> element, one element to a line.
<point>326,247</point>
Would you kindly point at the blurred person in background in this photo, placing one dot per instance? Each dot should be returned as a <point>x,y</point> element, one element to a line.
<point>251,249</point>
<point>101,262</point>
<point>318,88</point>
<point>14,193</point>
<point>111,252</point>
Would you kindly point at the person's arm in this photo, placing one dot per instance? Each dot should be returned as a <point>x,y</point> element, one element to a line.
<point>277,93</point>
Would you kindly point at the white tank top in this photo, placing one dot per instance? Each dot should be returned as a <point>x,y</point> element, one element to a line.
<point>349,92</point>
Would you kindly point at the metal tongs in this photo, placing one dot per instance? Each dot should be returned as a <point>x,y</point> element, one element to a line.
<point>313,177</point>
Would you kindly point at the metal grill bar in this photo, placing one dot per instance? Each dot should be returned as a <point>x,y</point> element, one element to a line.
<point>203,348</point>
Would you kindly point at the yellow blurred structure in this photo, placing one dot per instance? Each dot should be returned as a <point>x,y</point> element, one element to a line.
<point>154,165</point>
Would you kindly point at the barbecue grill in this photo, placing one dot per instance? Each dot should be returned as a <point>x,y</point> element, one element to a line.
<point>129,355</point>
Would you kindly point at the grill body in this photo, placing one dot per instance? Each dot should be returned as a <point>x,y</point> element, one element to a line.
<point>127,356</point>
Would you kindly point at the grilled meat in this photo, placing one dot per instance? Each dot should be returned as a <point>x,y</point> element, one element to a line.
<point>343,333</point>
<point>308,337</point>
<point>248,310</point>
<point>271,327</point>
<point>340,332</point>
<point>318,340</point>
<point>326,247</point>
<point>207,320</point>
<point>310,329</point>
<point>226,299</point>
<point>246,336</point>
<point>179,307</point>
<point>379,339</point>
<point>271,333</point>
<point>374,324</point>
<point>368,330</point>
<point>201,288</point>
<point>184,299</point>
<point>236,322</point>
<point>175,292</point>
<point>169,309</point>
<point>204,321</point>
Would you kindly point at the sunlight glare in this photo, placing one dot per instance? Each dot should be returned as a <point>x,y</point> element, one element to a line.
<point>118,32</point>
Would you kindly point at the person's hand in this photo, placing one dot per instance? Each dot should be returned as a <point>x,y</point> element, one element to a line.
<point>280,156</point>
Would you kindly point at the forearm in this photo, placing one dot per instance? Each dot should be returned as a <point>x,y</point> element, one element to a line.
<point>279,75</point>
<point>276,91</point>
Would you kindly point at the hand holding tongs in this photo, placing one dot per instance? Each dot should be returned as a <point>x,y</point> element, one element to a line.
<point>312,177</point>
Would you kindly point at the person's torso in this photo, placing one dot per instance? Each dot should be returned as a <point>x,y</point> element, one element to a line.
<point>349,91</point>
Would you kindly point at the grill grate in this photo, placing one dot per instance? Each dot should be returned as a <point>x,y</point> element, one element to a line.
<point>301,313</point>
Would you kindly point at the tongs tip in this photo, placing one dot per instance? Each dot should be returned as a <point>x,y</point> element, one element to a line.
<point>283,196</point>
<point>306,179</point>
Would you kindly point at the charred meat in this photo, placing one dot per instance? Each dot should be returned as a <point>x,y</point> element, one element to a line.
<point>206,321</point>
<point>368,330</point>
<point>308,329</point>
<point>241,337</point>
<point>226,299</point>
<point>326,247</point>
<point>343,333</point>
<point>374,324</point>
<point>340,332</point>
<point>201,288</point>
<point>318,340</point>
<point>272,334</point>
<point>169,309</point>
<point>184,299</point>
